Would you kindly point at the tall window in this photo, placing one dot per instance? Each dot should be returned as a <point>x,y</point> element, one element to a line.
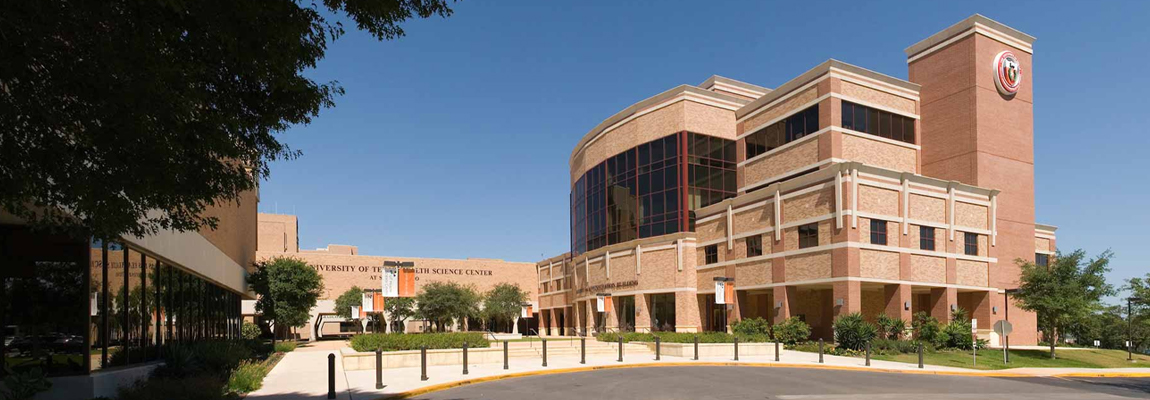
<point>711,172</point>
<point>754,246</point>
<point>711,254</point>
<point>622,197</point>
<point>792,128</point>
<point>877,122</point>
<point>970,243</point>
<point>878,231</point>
<point>1041,260</point>
<point>926,238</point>
<point>659,187</point>
<point>808,235</point>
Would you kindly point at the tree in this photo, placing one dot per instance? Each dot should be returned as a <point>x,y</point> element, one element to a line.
<point>399,309</point>
<point>127,117</point>
<point>351,298</point>
<point>1065,292</point>
<point>504,302</point>
<point>444,302</point>
<point>287,290</point>
<point>1140,288</point>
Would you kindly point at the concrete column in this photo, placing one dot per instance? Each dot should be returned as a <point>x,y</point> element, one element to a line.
<point>940,301</point>
<point>515,326</point>
<point>897,297</point>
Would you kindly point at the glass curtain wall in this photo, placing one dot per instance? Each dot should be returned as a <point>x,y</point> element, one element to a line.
<point>120,312</point>
<point>640,192</point>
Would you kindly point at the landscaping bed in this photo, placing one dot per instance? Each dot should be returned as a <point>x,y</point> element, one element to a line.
<point>415,341</point>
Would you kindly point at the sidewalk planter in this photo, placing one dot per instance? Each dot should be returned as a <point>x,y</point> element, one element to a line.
<point>687,350</point>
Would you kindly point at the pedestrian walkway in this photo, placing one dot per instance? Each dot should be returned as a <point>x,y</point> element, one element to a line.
<point>303,374</point>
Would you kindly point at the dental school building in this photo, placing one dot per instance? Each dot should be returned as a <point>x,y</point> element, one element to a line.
<point>842,190</point>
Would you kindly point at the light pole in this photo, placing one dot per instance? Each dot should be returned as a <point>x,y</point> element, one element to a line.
<point>1006,338</point>
<point>1130,326</point>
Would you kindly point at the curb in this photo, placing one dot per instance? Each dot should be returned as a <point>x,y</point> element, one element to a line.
<point>450,385</point>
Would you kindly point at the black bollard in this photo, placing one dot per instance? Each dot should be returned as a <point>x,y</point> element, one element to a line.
<point>582,350</point>
<point>544,352</point>
<point>776,351</point>
<point>920,355</point>
<point>505,354</point>
<point>465,358</point>
<point>736,348</point>
<point>820,351</point>
<point>658,348</point>
<point>620,349</point>
<point>423,363</point>
<point>378,369</point>
<point>868,354</point>
<point>696,347</point>
<point>331,376</point>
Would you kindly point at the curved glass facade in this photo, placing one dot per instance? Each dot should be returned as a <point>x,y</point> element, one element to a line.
<point>650,189</point>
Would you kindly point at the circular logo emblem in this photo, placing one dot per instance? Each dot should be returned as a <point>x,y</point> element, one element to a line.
<point>1008,73</point>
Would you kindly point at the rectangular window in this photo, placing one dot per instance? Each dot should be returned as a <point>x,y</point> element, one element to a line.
<point>711,253</point>
<point>926,238</point>
<point>878,231</point>
<point>808,235</point>
<point>791,128</point>
<point>754,246</point>
<point>877,122</point>
<point>1041,260</point>
<point>970,243</point>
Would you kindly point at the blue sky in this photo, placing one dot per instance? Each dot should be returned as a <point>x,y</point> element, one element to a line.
<point>453,142</point>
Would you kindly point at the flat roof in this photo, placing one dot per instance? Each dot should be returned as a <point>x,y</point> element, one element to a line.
<point>817,71</point>
<point>710,82</point>
<point>963,26</point>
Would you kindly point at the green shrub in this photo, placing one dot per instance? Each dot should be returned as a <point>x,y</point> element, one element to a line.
<point>195,387</point>
<point>248,377</point>
<point>210,356</point>
<point>957,335</point>
<point>893,347</point>
<point>853,332</point>
<point>413,341</point>
<point>25,384</point>
<point>927,330</point>
<point>890,327</point>
<point>250,331</point>
<point>285,346</point>
<point>680,337</point>
<point>752,327</point>
<point>792,331</point>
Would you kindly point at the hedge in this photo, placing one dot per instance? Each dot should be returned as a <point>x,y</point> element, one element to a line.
<point>680,337</point>
<point>413,341</point>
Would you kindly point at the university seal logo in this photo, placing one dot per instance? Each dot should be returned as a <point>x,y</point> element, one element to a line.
<point>1008,73</point>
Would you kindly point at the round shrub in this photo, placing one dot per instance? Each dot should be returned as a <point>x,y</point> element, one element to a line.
<point>853,332</point>
<point>250,331</point>
<point>792,330</point>
<point>752,327</point>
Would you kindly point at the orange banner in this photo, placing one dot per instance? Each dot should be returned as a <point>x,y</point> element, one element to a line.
<point>607,304</point>
<point>407,282</point>
<point>377,302</point>
<point>730,292</point>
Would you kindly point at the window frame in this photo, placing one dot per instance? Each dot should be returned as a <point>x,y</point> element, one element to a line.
<point>875,224</point>
<point>970,239</point>
<point>710,254</point>
<point>754,245</point>
<point>807,234</point>
<point>923,240</point>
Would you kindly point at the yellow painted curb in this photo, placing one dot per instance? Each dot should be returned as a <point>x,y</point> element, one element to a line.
<point>449,385</point>
<point>1104,375</point>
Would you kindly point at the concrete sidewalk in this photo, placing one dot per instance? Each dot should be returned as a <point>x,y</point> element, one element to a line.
<point>303,374</point>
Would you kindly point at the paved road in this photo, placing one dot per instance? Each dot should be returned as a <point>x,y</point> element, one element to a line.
<point>669,383</point>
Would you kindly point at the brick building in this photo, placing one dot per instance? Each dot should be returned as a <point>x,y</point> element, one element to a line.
<point>842,190</point>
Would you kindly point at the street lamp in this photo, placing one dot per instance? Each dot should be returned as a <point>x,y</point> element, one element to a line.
<point>1130,326</point>
<point>1006,338</point>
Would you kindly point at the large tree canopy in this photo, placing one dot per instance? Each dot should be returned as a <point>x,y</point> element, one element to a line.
<point>287,289</point>
<point>1070,289</point>
<point>126,117</point>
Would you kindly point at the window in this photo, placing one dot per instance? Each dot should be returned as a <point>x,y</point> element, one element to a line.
<point>877,122</point>
<point>926,238</point>
<point>792,128</point>
<point>754,246</point>
<point>1041,260</point>
<point>808,235</point>
<point>711,173</point>
<point>878,231</point>
<point>970,243</point>
<point>711,254</point>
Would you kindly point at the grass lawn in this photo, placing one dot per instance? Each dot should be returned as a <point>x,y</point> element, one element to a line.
<point>992,359</point>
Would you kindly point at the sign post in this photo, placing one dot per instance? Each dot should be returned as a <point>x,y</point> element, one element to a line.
<point>974,339</point>
<point>1003,329</point>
